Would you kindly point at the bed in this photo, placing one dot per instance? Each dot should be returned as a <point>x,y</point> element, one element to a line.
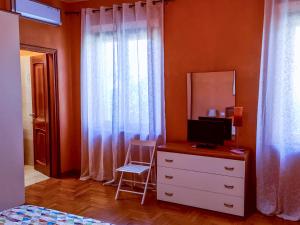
<point>29,214</point>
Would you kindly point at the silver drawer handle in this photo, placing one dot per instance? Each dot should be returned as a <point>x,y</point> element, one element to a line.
<point>228,205</point>
<point>228,186</point>
<point>169,194</point>
<point>169,160</point>
<point>169,177</point>
<point>229,168</point>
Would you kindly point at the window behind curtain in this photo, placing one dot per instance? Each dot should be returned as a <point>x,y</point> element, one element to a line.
<point>295,73</point>
<point>135,84</point>
<point>293,70</point>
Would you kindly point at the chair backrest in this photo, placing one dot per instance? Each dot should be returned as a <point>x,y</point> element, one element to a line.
<point>143,145</point>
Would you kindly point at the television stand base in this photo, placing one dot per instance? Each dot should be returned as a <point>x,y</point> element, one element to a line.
<point>205,145</point>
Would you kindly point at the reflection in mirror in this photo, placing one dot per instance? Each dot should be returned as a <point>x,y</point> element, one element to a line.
<point>211,94</point>
<point>211,100</point>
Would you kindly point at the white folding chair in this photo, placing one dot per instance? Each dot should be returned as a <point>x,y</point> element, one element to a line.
<point>137,167</point>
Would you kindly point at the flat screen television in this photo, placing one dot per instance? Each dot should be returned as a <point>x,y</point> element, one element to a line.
<point>207,131</point>
<point>228,125</point>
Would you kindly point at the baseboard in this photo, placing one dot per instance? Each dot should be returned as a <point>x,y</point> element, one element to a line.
<point>70,174</point>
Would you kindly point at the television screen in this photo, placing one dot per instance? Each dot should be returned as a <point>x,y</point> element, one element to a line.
<point>228,125</point>
<point>206,131</point>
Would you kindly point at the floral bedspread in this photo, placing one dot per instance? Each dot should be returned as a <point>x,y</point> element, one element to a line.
<point>28,214</point>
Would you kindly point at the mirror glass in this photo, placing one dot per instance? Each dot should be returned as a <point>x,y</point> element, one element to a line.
<point>210,94</point>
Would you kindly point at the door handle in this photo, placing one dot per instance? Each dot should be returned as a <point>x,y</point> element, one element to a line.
<point>32,115</point>
<point>169,177</point>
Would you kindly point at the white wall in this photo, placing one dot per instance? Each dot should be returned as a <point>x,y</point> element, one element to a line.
<point>11,133</point>
<point>27,110</point>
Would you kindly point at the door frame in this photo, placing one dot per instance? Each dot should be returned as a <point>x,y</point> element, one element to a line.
<point>54,123</point>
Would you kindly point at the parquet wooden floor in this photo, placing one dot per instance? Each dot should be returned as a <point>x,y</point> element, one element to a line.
<point>92,199</point>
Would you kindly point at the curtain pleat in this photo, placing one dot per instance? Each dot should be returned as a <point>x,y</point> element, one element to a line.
<point>278,125</point>
<point>122,88</point>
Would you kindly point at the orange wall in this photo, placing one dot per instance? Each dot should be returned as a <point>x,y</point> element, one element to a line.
<point>74,39</point>
<point>43,35</point>
<point>212,35</point>
<point>5,4</point>
<point>206,35</point>
<point>203,35</point>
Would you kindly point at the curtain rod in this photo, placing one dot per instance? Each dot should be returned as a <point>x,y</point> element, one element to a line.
<point>110,8</point>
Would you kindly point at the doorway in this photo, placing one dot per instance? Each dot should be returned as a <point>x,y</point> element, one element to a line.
<point>40,113</point>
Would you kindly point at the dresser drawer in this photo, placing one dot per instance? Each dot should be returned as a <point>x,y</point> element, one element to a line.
<point>201,199</point>
<point>228,167</point>
<point>202,181</point>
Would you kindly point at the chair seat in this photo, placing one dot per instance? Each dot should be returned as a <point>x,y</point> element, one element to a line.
<point>133,168</point>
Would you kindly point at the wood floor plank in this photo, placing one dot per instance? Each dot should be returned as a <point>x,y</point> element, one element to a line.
<point>92,199</point>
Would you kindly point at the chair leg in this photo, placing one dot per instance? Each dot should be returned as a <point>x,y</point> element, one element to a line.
<point>146,186</point>
<point>132,178</point>
<point>119,186</point>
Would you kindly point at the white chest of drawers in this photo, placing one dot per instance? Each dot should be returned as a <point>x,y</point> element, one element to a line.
<point>209,179</point>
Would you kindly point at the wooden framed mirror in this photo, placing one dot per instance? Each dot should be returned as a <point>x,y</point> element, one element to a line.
<point>210,94</point>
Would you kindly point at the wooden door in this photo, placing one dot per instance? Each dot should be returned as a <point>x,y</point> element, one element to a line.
<point>40,109</point>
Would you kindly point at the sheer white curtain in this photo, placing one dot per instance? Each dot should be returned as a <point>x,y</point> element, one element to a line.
<point>278,127</point>
<point>122,83</point>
